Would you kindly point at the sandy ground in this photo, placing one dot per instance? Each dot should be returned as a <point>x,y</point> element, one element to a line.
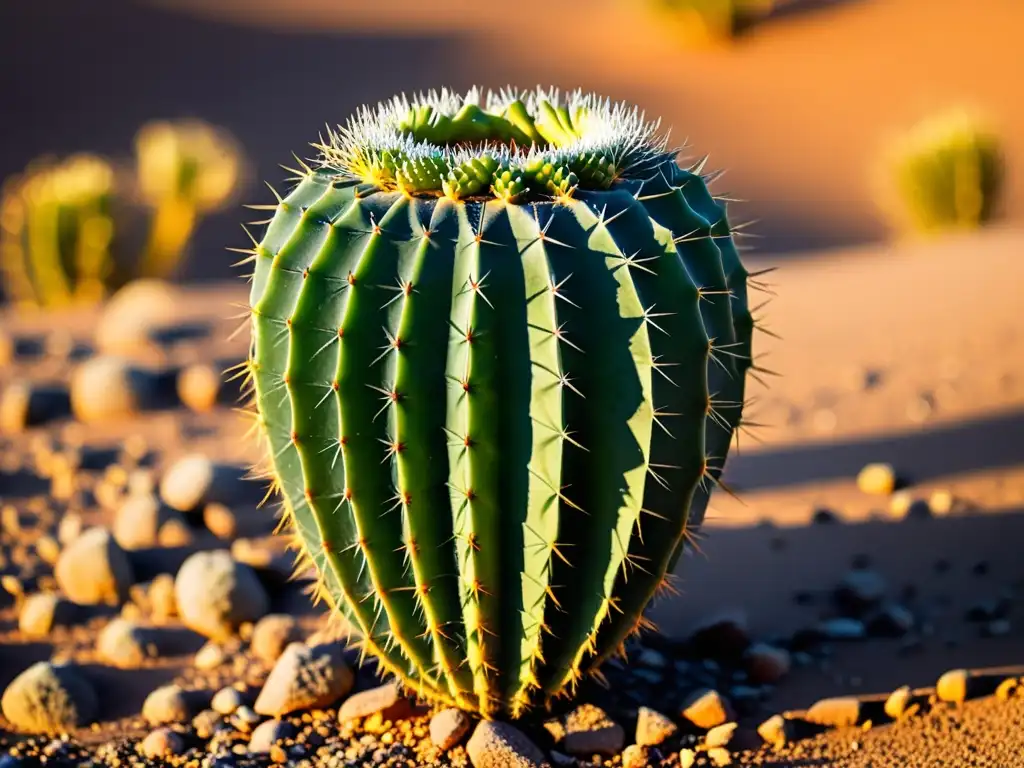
<point>867,336</point>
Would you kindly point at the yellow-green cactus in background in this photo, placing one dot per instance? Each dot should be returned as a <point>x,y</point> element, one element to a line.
<point>945,174</point>
<point>63,223</point>
<point>708,21</point>
<point>56,231</point>
<point>184,169</point>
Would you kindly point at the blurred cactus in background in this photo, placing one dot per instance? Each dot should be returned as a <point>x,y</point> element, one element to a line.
<point>56,231</point>
<point>65,225</point>
<point>944,174</point>
<point>710,21</point>
<point>185,169</point>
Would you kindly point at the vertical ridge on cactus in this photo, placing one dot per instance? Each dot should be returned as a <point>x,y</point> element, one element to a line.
<point>498,351</point>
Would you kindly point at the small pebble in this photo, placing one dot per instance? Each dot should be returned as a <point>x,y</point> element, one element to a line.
<point>195,480</point>
<point>590,731</point>
<point>653,728</point>
<point>40,613</point>
<point>49,698</point>
<point>1008,688</point>
<point>210,656</point>
<point>836,712</point>
<point>94,569</point>
<point>860,590</point>
<point>897,702</point>
<point>163,742</point>
<point>107,389</point>
<point>448,728</point>
<point>636,756</point>
<point>720,756</point>
<point>877,479</point>
<point>496,744</point>
<point>245,718</point>
<point>386,699</point>
<point>215,594</point>
<point>168,704</point>
<point>707,708</point>
<point>305,678</point>
<point>140,519</point>
<point>941,502</point>
<point>163,605</point>
<point>48,549</point>
<point>227,700</point>
<point>267,734</point>
<point>132,314</point>
<point>123,644</point>
<point>199,387</point>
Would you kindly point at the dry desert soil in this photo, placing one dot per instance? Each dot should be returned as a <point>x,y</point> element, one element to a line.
<point>806,586</point>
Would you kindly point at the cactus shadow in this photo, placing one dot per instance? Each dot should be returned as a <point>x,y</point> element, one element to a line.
<point>989,442</point>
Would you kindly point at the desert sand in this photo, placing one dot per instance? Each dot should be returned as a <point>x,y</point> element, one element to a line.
<point>906,354</point>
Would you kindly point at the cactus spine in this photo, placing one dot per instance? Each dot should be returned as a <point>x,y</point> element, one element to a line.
<point>496,381</point>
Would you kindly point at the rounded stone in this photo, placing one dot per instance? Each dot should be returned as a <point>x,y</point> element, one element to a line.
<point>496,744</point>
<point>215,594</point>
<point>305,678</point>
<point>271,635</point>
<point>448,727</point>
<point>195,480</point>
<point>139,521</point>
<point>49,698</point>
<point>41,612</point>
<point>163,742</point>
<point>267,734</point>
<point>94,570</point>
<point>105,389</point>
<point>227,700</point>
<point>199,387</point>
<point>877,479</point>
<point>167,704</point>
<point>123,643</point>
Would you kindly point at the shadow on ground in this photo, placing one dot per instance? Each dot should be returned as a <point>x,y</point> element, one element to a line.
<point>992,442</point>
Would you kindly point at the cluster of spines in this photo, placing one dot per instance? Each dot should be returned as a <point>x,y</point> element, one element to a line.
<point>516,144</point>
<point>615,617</point>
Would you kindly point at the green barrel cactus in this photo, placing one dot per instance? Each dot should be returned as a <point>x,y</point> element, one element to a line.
<point>499,344</point>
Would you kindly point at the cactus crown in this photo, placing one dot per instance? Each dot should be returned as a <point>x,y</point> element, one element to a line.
<point>507,144</point>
